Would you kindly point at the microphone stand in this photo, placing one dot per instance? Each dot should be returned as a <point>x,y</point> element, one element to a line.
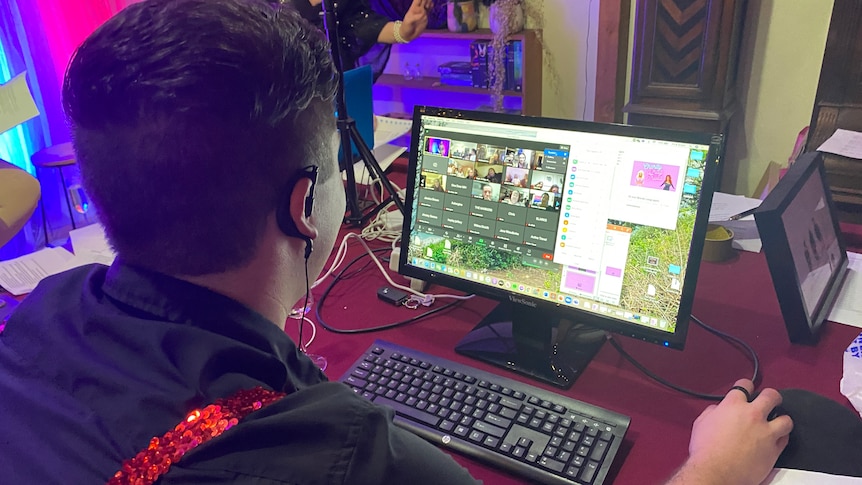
<point>348,132</point>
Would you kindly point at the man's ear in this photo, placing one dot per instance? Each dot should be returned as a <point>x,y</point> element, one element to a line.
<point>301,206</point>
<point>294,210</point>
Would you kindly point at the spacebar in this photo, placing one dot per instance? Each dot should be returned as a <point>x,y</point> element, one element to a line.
<point>409,412</point>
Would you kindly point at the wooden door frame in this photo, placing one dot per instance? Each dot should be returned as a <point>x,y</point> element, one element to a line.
<point>612,56</point>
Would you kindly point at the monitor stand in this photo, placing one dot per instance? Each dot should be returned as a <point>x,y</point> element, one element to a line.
<point>527,341</point>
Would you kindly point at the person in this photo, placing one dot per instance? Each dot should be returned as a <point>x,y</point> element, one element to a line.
<point>522,159</point>
<point>98,365</point>
<point>437,185</point>
<point>734,441</point>
<point>555,189</point>
<point>361,28</point>
<point>493,176</point>
<point>509,159</point>
<point>667,184</point>
<point>536,164</point>
<point>487,192</point>
<point>514,198</point>
<point>546,199</point>
<point>639,178</point>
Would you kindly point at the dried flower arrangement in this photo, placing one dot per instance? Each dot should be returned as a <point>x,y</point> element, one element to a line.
<point>508,17</point>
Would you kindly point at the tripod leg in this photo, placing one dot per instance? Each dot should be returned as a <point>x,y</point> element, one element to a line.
<point>372,164</point>
<point>355,212</point>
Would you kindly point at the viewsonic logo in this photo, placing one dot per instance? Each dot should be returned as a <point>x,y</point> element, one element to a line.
<point>522,301</point>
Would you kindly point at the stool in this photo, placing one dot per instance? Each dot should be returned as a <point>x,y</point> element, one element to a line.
<point>56,156</point>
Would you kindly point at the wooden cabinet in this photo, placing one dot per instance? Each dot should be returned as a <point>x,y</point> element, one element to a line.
<point>838,104</point>
<point>684,63</point>
<point>395,93</point>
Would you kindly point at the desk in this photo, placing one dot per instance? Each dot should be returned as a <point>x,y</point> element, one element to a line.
<point>736,297</point>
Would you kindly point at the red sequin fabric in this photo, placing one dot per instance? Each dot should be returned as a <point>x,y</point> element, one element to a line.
<point>200,426</point>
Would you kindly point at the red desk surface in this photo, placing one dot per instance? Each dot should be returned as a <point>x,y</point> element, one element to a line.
<point>736,297</point>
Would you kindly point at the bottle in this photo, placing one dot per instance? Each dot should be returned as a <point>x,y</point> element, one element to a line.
<point>408,73</point>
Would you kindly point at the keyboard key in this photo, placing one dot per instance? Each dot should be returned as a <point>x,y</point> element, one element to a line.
<point>461,430</point>
<point>489,429</point>
<point>405,410</point>
<point>552,464</point>
<point>525,442</point>
<point>476,436</point>
<point>599,451</point>
<point>491,442</point>
<point>589,471</point>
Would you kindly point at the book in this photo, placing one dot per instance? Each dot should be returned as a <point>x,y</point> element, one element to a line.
<point>479,50</point>
<point>518,66</point>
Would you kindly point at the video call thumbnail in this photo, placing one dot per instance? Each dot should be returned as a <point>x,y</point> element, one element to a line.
<point>486,190</point>
<point>463,151</point>
<point>514,196</point>
<point>437,146</point>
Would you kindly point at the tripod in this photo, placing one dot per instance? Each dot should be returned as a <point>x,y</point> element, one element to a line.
<point>348,132</point>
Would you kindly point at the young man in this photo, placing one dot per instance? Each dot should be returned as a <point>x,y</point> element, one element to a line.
<point>197,124</point>
<point>215,174</point>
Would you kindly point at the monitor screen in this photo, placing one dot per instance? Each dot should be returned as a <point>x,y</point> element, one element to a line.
<point>601,225</point>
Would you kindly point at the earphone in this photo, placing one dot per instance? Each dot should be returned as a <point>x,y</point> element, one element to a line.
<point>282,213</point>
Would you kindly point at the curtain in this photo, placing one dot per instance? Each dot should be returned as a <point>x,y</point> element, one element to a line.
<point>39,37</point>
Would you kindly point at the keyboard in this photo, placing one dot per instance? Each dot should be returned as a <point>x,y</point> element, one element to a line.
<point>540,435</point>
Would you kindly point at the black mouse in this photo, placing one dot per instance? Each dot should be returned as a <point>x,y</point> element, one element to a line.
<point>776,412</point>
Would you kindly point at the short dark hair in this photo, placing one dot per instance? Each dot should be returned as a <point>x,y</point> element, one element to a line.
<point>189,117</point>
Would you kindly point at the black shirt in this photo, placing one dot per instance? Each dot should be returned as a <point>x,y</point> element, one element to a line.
<point>358,26</point>
<point>96,361</point>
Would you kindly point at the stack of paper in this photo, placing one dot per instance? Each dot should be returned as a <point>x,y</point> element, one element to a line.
<point>21,275</point>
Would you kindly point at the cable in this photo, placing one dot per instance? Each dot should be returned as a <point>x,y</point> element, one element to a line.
<point>338,277</point>
<point>662,381</point>
<point>302,318</point>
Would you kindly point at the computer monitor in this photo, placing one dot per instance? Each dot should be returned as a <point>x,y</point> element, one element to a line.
<point>572,225</point>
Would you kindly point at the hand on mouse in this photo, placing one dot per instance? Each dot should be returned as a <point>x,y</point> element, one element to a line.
<point>733,442</point>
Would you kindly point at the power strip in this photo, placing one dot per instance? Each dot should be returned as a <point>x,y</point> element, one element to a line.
<point>394,258</point>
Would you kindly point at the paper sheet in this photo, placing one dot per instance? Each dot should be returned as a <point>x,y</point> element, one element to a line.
<point>22,274</point>
<point>724,206</point>
<point>16,103</point>
<point>91,246</point>
<point>384,155</point>
<point>389,129</point>
<point>783,476</point>
<point>847,308</point>
<point>844,142</point>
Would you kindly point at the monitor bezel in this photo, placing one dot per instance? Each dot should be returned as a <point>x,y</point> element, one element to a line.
<point>674,340</point>
<point>801,328</point>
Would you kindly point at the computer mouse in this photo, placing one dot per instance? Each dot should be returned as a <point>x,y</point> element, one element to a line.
<point>776,412</point>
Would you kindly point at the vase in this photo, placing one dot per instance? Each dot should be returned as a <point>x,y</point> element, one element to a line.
<point>462,15</point>
<point>507,16</point>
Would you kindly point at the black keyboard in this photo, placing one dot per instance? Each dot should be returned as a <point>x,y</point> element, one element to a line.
<point>535,433</point>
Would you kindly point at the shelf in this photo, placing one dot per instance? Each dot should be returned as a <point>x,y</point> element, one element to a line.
<point>433,84</point>
<point>476,34</point>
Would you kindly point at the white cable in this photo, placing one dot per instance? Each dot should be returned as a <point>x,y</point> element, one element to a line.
<point>294,315</point>
<point>425,299</point>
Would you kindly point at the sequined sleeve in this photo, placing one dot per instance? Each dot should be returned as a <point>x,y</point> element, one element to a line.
<point>361,27</point>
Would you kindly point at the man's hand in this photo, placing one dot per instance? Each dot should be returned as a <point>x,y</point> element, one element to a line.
<point>416,19</point>
<point>732,442</point>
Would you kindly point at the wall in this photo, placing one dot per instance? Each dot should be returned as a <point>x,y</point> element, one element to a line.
<point>571,38</point>
<point>781,54</point>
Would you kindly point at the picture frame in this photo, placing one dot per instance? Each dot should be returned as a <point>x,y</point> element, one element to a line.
<point>804,248</point>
